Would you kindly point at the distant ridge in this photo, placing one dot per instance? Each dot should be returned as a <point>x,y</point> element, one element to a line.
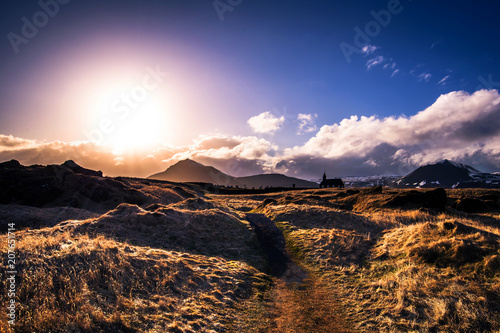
<point>275,180</point>
<point>191,171</point>
<point>449,174</point>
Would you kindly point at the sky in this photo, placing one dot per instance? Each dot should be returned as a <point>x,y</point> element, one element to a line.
<point>353,88</point>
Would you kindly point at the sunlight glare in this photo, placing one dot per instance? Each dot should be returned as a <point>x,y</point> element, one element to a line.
<point>141,129</point>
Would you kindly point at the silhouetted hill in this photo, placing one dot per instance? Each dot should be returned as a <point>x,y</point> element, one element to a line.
<point>449,174</point>
<point>191,171</point>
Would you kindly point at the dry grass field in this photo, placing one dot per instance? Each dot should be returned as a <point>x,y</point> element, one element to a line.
<point>185,260</point>
<point>399,269</point>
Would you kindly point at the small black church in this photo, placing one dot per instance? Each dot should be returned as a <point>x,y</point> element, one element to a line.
<point>335,182</point>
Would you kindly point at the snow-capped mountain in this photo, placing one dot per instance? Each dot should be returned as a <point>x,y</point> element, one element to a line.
<point>449,174</point>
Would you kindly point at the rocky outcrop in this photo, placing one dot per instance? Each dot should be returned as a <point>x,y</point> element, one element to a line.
<point>67,184</point>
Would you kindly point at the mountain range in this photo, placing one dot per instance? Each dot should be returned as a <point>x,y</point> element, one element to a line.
<point>191,171</point>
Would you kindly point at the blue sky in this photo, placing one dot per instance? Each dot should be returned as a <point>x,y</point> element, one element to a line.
<point>279,63</point>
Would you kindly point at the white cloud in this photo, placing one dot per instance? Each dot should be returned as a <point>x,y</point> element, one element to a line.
<point>374,62</point>
<point>443,80</point>
<point>249,147</point>
<point>390,65</point>
<point>369,49</point>
<point>306,123</point>
<point>424,77</point>
<point>266,122</point>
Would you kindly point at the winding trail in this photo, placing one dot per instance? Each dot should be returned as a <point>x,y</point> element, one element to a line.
<point>301,302</point>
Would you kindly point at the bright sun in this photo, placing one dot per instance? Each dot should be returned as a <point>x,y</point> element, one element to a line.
<point>128,125</point>
<point>142,129</point>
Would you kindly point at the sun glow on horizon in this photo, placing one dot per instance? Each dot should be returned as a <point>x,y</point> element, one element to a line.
<point>168,86</point>
<point>132,122</point>
<point>141,131</point>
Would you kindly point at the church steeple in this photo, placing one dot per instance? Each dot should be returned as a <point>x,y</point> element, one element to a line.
<point>324,175</point>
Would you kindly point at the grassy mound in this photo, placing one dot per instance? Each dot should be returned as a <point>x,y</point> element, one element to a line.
<point>73,282</point>
<point>210,232</point>
<point>433,276</point>
<point>429,277</point>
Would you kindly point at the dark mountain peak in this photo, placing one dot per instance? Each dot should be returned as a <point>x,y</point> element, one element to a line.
<point>185,164</point>
<point>70,164</point>
<point>188,163</point>
<point>12,164</point>
<point>443,173</point>
<point>445,162</point>
<point>191,171</point>
<point>450,164</point>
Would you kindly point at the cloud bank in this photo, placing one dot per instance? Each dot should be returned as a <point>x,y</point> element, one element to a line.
<point>458,126</point>
<point>236,155</point>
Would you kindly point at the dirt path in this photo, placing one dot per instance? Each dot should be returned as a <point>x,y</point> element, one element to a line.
<point>300,301</point>
<point>272,241</point>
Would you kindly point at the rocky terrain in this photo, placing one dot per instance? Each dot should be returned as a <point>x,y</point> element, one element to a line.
<point>100,254</point>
